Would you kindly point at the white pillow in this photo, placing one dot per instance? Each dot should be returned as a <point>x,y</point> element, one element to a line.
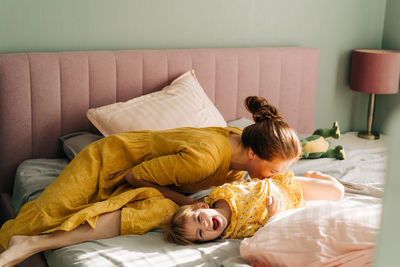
<point>181,104</point>
<point>322,234</point>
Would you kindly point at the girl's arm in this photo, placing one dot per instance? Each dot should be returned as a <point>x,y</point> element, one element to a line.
<point>319,186</point>
<point>175,196</point>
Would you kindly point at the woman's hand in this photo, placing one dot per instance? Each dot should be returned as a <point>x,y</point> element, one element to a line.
<point>197,200</point>
<point>274,205</point>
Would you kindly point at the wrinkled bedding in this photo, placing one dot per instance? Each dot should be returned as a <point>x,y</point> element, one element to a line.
<point>362,174</point>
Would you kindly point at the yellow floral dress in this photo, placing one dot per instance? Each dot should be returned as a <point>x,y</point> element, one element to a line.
<point>247,200</point>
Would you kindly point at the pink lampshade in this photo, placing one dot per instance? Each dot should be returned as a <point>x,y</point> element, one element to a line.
<point>375,71</point>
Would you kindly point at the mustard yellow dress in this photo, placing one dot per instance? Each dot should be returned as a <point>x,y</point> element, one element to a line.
<point>188,159</point>
<point>247,200</point>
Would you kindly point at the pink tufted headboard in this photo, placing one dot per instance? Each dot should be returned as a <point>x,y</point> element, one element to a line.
<point>46,95</point>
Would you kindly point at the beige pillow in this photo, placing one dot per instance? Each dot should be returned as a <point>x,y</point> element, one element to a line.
<point>181,104</point>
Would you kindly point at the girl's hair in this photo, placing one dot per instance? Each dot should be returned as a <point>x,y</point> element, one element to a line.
<point>175,231</point>
<point>270,136</point>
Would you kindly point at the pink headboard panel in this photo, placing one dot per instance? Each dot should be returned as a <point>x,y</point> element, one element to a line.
<point>46,95</point>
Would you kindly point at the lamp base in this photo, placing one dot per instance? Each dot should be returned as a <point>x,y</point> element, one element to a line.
<point>368,135</point>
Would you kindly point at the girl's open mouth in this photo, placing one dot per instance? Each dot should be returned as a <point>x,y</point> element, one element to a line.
<point>215,223</point>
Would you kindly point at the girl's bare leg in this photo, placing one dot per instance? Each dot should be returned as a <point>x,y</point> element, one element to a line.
<point>321,176</point>
<point>21,247</point>
<point>319,186</point>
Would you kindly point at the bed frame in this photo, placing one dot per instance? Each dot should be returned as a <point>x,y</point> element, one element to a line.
<point>46,95</point>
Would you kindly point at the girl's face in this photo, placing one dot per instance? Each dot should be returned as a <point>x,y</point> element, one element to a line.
<point>261,168</point>
<point>205,224</point>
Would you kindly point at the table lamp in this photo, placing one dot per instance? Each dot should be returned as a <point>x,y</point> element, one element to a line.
<point>374,71</point>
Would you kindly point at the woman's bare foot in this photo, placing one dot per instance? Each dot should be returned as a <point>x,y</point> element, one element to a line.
<point>19,248</point>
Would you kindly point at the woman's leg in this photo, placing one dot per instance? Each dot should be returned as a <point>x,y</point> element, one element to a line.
<point>21,247</point>
<point>319,186</point>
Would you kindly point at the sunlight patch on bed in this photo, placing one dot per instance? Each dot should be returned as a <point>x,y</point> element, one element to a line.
<point>142,250</point>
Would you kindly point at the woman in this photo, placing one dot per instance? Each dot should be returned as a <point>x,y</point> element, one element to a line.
<point>98,195</point>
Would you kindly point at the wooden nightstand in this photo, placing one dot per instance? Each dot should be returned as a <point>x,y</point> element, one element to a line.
<point>351,140</point>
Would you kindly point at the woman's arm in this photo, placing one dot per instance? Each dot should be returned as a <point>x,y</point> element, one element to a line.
<point>175,196</point>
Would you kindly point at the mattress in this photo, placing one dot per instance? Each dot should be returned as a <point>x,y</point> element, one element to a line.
<point>362,174</point>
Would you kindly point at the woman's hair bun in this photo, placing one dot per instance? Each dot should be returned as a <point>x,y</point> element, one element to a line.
<point>260,109</point>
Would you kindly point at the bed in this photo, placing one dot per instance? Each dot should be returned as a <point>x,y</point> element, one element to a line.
<point>45,98</point>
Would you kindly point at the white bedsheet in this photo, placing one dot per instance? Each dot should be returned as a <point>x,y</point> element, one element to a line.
<point>143,250</point>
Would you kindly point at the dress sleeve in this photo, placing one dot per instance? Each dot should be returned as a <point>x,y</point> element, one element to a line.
<point>184,167</point>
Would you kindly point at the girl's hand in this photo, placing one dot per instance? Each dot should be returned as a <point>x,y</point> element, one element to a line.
<point>274,205</point>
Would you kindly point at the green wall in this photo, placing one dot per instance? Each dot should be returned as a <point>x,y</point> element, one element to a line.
<point>335,27</point>
<point>385,104</point>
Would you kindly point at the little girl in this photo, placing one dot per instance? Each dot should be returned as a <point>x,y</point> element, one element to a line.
<point>239,209</point>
